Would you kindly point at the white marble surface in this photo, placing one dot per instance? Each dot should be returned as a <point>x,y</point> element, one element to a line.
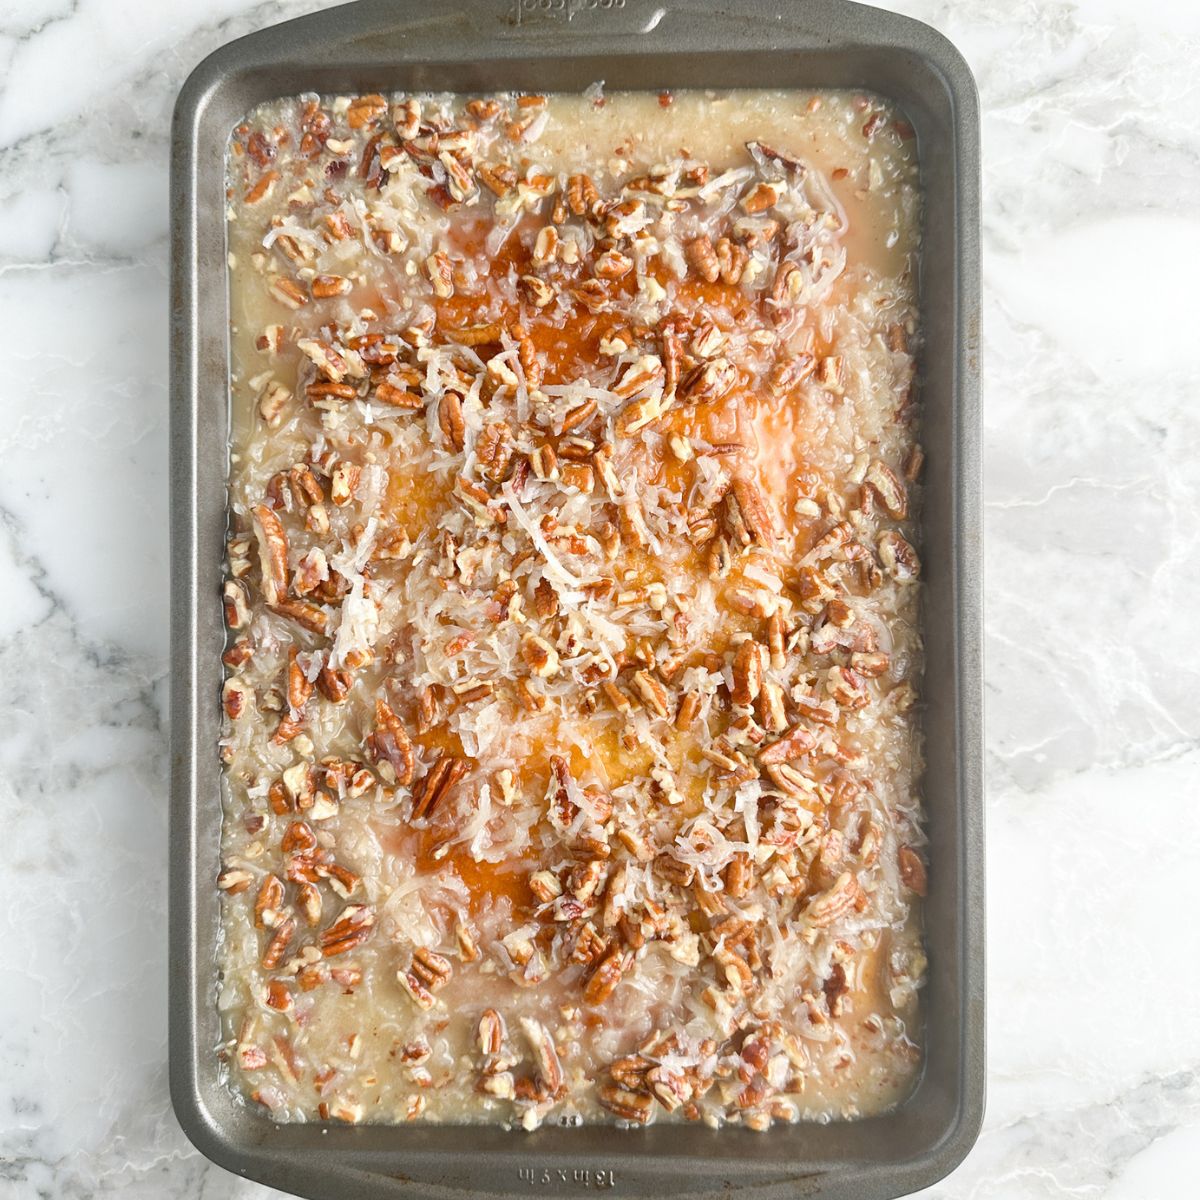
<point>1092,235</point>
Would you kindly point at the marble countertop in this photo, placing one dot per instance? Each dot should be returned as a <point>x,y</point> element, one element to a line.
<point>1092,244</point>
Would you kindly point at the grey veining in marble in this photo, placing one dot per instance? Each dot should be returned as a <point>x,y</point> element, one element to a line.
<point>1092,273</point>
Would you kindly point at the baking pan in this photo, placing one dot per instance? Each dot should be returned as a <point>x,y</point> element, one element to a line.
<point>563,45</point>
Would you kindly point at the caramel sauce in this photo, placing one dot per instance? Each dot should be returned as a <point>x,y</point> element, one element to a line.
<point>487,883</point>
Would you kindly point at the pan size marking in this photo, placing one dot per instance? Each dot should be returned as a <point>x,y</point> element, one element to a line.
<point>584,1177</point>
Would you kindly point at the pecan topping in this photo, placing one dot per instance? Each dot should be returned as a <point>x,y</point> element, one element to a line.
<point>273,553</point>
<point>747,673</point>
<point>542,1045</point>
<point>845,896</point>
<point>703,258</point>
<point>653,694</point>
<point>753,510</point>
<point>889,488</point>
<point>605,977</point>
<point>433,970</point>
<point>349,931</point>
<point>796,743</point>
<point>898,557</point>
<point>709,381</point>
<point>491,1032</point>
<point>629,1106</point>
<point>912,870</point>
<point>437,784</point>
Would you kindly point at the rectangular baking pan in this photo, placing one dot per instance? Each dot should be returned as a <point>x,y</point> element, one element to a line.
<point>563,45</point>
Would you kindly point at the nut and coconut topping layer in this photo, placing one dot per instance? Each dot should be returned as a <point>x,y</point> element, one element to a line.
<point>570,739</point>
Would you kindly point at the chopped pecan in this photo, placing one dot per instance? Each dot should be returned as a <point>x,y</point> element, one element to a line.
<point>273,553</point>
<point>441,274</point>
<point>349,931</point>
<point>732,260</point>
<point>606,975</point>
<point>334,683</point>
<point>272,403</point>
<point>390,743</point>
<point>490,1032</point>
<point>689,707</point>
<point>652,693</point>
<point>845,896</point>
<point>278,943</point>
<point>237,608</point>
<point>432,969</point>
<point>498,178</point>
<point>365,111</point>
<point>796,743</point>
<point>234,880</point>
<point>417,990</point>
<point>709,381</point>
<point>791,372</point>
<point>888,487</point>
<point>493,449</point>
<point>777,639</point>
<point>702,257</point>
<point>761,197</point>
<point>912,870</point>
<point>540,655</point>
<point>277,995</point>
<point>437,784</point>
<point>235,698</point>
<point>544,1053</point>
<point>898,557</point>
<point>739,876</point>
<point>753,509</point>
<point>846,687</point>
<point>308,901</point>
<point>582,196</point>
<point>325,287</point>
<point>299,689</point>
<point>451,421</point>
<point>629,1106</point>
<point>310,616</point>
<point>268,905</point>
<point>747,673</point>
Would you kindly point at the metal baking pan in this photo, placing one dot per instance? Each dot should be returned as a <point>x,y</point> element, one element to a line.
<point>563,45</point>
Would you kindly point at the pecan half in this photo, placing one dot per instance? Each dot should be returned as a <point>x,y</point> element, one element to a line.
<point>888,486</point>
<point>844,897</point>
<point>273,553</point>
<point>754,511</point>
<point>390,743</point>
<point>607,974</point>
<point>709,381</point>
<point>432,969</point>
<point>898,557</point>
<point>350,930</point>
<point>491,1032</point>
<point>437,784</point>
<point>747,674</point>
<point>702,258</point>
<point>544,1053</point>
